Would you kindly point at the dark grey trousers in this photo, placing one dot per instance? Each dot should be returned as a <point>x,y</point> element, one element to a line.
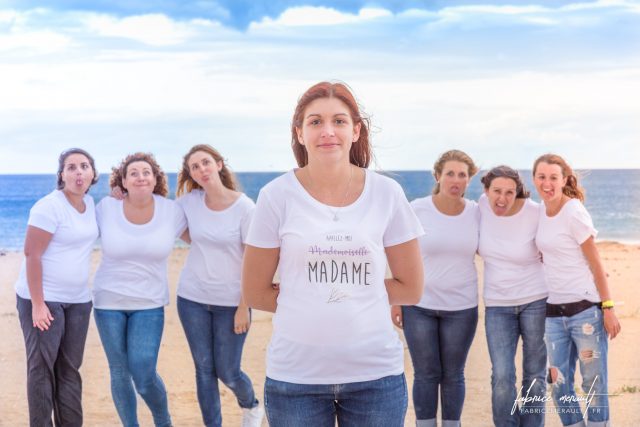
<point>53,362</point>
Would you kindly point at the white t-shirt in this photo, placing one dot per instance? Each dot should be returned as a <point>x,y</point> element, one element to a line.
<point>566,269</point>
<point>133,271</point>
<point>332,323</point>
<point>513,273</point>
<point>211,274</point>
<point>66,261</point>
<point>448,249</point>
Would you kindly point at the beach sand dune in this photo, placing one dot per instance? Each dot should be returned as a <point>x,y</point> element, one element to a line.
<point>176,367</point>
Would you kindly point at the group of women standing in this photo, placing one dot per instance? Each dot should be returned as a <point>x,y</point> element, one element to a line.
<point>330,227</point>
<point>138,228</point>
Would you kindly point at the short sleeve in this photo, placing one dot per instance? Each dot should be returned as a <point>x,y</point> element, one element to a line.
<point>245,222</point>
<point>180,220</point>
<point>483,205</point>
<point>100,214</point>
<point>44,215</point>
<point>264,231</point>
<point>403,224</point>
<point>182,200</point>
<point>581,224</point>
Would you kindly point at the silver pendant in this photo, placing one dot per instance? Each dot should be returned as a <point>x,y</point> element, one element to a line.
<point>335,217</point>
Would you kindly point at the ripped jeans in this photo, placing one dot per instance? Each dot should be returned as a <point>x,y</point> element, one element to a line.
<point>569,339</point>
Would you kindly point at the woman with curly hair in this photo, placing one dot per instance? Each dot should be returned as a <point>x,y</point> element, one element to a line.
<point>212,311</point>
<point>130,289</point>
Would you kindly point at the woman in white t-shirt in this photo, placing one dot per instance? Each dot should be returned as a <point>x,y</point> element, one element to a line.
<point>514,297</point>
<point>580,313</point>
<point>212,311</point>
<point>53,297</point>
<point>130,288</point>
<point>440,328</point>
<point>331,226</point>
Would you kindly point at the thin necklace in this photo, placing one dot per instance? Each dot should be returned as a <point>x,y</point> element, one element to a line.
<point>344,198</point>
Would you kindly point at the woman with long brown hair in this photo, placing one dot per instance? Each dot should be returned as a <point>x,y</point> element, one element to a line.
<point>580,308</point>
<point>212,311</point>
<point>331,226</point>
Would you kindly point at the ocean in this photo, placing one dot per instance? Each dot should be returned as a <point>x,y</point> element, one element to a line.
<point>613,198</point>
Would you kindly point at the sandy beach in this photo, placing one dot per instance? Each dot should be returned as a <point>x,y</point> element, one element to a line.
<point>176,368</point>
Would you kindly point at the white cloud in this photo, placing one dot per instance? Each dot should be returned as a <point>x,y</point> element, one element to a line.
<point>152,81</point>
<point>42,41</point>
<point>154,29</point>
<point>306,16</point>
<point>8,16</point>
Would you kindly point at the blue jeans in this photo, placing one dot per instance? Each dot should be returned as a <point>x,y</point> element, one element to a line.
<point>439,342</point>
<point>579,337</point>
<point>131,341</point>
<point>504,327</point>
<point>377,403</point>
<point>216,351</point>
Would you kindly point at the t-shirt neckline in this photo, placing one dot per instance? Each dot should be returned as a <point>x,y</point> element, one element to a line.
<point>560,212</point>
<point>313,200</point>
<point>223,211</point>
<point>444,215</point>
<point>70,206</point>
<point>146,224</point>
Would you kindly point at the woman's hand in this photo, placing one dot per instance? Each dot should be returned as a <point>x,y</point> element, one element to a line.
<point>241,320</point>
<point>117,193</point>
<point>611,323</point>
<point>41,316</point>
<point>396,315</point>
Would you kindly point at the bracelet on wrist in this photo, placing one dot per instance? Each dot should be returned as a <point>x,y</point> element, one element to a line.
<point>607,304</point>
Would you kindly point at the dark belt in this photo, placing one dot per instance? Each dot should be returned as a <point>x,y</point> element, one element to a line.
<point>569,309</point>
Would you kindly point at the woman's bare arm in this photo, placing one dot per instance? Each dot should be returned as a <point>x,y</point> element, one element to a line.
<point>258,268</point>
<point>406,284</point>
<point>35,243</point>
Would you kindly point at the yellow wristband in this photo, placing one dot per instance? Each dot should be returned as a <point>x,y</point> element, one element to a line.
<point>607,304</point>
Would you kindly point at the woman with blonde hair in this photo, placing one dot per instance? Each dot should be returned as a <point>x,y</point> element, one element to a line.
<point>580,307</point>
<point>331,226</point>
<point>212,311</point>
<point>130,288</point>
<point>439,329</point>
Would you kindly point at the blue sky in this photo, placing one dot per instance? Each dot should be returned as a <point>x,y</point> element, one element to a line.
<point>504,81</point>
